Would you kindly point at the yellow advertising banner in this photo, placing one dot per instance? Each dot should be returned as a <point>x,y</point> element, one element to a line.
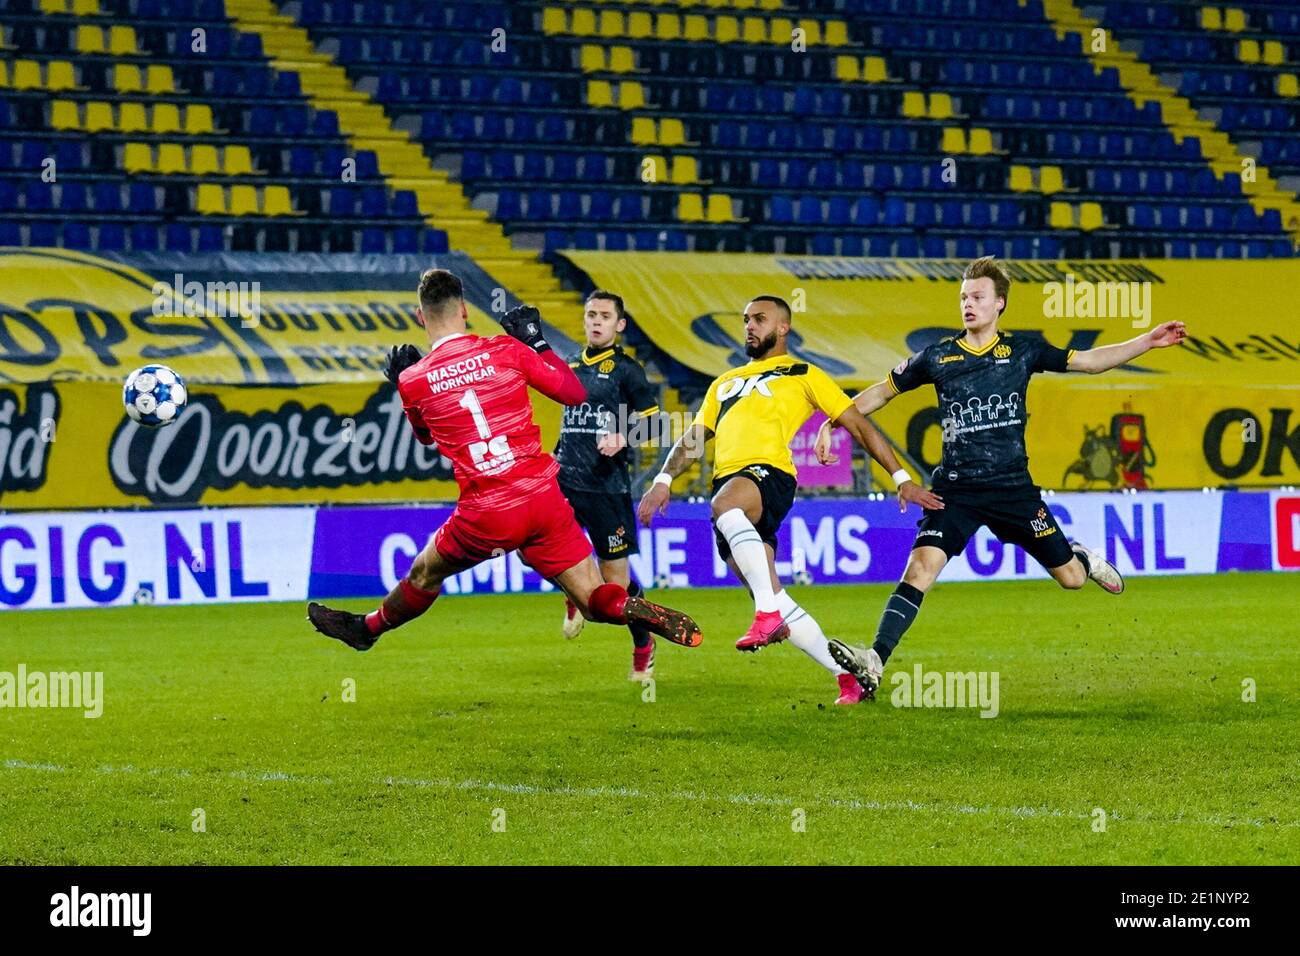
<point>1222,408</point>
<point>286,400</point>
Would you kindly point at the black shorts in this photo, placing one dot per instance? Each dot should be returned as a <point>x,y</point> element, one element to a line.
<point>1017,518</point>
<point>776,488</point>
<point>608,519</point>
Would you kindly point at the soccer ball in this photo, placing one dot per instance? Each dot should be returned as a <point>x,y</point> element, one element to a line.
<point>154,396</point>
<point>802,578</point>
<point>663,580</point>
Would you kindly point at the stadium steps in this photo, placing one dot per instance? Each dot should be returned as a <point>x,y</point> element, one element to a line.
<point>1180,116</point>
<point>365,125</point>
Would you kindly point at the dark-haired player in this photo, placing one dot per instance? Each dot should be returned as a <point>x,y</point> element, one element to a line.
<point>593,456</point>
<point>981,377</point>
<point>469,395</point>
<point>753,412</point>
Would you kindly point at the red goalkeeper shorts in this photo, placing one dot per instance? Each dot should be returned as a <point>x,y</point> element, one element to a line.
<point>543,530</point>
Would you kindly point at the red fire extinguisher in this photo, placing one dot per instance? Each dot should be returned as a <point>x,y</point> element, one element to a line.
<point>1128,431</point>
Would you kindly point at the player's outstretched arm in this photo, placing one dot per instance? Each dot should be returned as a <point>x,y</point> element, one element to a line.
<point>1107,357</point>
<point>687,449</point>
<point>869,437</point>
<point>867,401</point>
<point>546,372</point>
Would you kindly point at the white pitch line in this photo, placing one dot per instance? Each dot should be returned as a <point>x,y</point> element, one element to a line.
<point>743,799</point>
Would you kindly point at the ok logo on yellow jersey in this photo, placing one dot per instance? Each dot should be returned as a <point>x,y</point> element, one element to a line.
<point>740,387</point>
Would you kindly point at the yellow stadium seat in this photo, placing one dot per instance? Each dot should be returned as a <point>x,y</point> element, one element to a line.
<point>131,118</point>
<point>1050,180</point>
<point>1234,20</point>
<point>654,169</point>
<point>1022,179</point>
<point>981,142</point>
<point>591,58</point>
<point>211,200</point>
<point>1248,51</point>
<point>720,208</point>
<point>695,27</point>
<point>954,140</point>
<point>781,30</point>
<point>630,95</point>
<point>643,131</point>
<point>1288,85</point>
<point>198,119</point>
<point>622,60</point>
<point>27,75</point>
<point>771,4</point>
<point>1274,53</point>
<point>99,116</point>
<point>59,75</point>
<point>599,93</point>
<point>1090,217</point>
<point>243,201</point>
<point>846,69</point>
<point>812,32</point>
<point>754,30</point>
<point>126,78</point>
<point>836,33</point>
<point>582,23</point>
<point>90,39</point>
<point>744,4</point>
<point>685,171</point>
<point>171,158</point>
<point>1211,19</point>
<point>86,8</point>
<point>1061,216</point>
<point>690,207</point>
<point>138,158</point>
<point>64,115</point>
<point>4,73</point>
<point>668,26</point>
<point>639,25</point>
<point>121,41</point>
<point>166,118</point>
<point>875,69</point>
<point>611,24</point>
<point>159,79</point>
<point>726,30</point>
<point>554,21</point>
<point>672,132</point>
<point>914,104</point>
<point>203,160</point>
<point>237,161</point>
<point>54,6</point>
<point>940,106</point>
<point>276,201</point>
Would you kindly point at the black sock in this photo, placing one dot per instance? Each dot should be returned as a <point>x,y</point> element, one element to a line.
<point>900,611</point>
<point>640,636</point>
<point>1083,559</point>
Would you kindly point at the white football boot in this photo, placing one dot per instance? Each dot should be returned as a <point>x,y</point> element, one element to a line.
<point>1100,570</point>
<point>862,662</point>
<point>573,620</point>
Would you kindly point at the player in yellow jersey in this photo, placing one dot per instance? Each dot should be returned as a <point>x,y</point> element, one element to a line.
<point>752,413</point>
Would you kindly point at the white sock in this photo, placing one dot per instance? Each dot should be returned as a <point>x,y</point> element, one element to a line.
<point>750,555</point>
<point>805,633</point>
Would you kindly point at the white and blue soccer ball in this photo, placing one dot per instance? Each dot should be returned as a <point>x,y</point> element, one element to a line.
<point>663,580</point>
<point>802,577</point>
<point>154,396</point>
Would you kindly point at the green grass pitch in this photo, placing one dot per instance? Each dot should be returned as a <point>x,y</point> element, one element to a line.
<point>479,735</point>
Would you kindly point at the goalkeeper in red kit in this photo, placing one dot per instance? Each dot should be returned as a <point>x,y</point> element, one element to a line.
<point>469,395</point>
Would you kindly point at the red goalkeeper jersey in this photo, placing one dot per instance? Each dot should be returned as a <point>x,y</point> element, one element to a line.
<point>469,396</point>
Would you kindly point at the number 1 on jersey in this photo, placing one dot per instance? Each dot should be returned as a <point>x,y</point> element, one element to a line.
<point>469,401</point>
